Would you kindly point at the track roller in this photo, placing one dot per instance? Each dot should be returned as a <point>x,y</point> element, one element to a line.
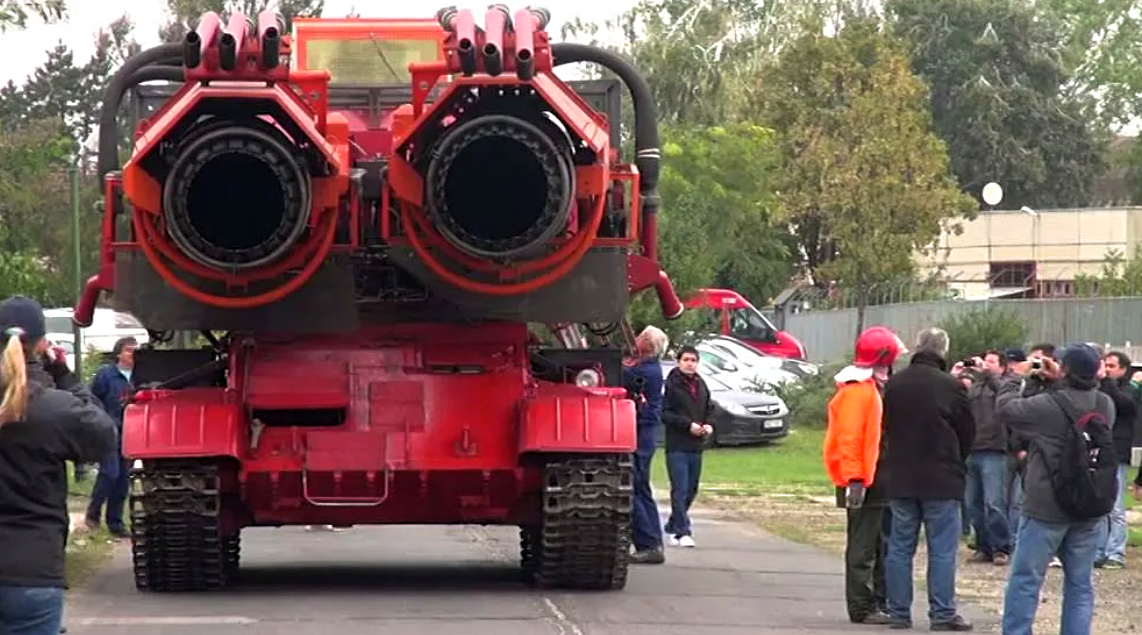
<point>583,541</point>
<point>176,538</point>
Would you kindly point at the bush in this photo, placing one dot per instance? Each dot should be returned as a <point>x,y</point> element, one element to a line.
<point>808,399</point>
<point>978,330</point>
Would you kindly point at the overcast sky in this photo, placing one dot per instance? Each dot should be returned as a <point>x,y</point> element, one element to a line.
<point>23,51</point>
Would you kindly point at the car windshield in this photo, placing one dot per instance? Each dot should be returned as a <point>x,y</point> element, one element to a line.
<point>58,324</point>
<point>748,323</point>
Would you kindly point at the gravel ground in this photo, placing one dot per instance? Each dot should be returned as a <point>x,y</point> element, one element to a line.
<point>818,522</point>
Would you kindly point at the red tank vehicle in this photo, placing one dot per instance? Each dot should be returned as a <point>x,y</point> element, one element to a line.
<point>367,220</point>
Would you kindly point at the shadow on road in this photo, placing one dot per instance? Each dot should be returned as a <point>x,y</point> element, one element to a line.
<point>412,578</point>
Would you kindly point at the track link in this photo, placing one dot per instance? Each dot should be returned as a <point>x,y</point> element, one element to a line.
<point>583,541</point>
<point>176,537</point>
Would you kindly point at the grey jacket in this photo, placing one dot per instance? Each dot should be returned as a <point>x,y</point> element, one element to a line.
<point>1040,421</point>
<point>990,431</point>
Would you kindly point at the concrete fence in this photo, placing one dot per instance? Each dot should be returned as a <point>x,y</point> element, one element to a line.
<point>828,335</point>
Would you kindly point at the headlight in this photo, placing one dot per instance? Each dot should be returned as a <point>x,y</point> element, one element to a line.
<point>587,379</point>
<point>734,408</point>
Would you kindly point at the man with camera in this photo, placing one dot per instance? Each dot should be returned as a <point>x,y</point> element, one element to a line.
<point>1069,484</point>
<point>987,465</point>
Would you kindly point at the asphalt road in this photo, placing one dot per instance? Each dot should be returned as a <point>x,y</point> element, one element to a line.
<point>465,581</point>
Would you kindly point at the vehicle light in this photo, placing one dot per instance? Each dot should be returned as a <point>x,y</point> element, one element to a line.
<point>587,379</point>
<point>734,408</point>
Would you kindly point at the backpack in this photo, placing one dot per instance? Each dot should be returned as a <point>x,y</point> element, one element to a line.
<point>1086,479</point>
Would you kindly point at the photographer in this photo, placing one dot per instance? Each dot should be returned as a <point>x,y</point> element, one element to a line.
<point>1040,378</point>
<point>1116,385</point>
<point>46,419</point>
<point>987,466</point>
<point>1051,523</point>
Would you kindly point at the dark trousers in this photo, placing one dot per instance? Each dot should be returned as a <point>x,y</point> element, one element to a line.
<point>30,610</point>
<point>646,529</point>
<point>865,550</point>
<point>685,471</point>
<point>110,489</point>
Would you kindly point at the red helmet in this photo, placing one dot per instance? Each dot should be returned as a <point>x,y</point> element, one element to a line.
<point>877,346</point>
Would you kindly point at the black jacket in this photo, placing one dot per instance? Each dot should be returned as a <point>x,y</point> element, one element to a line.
<point>1126,409</point>
<point>990,431</point>
<point>928,430</point>
<point>687,401</point>
<point>60,425</point>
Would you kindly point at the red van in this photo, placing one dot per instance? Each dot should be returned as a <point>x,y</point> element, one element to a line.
<point>731,314</point>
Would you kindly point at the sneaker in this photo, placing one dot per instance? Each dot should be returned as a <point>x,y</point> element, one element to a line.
<point>1113,564</point>
<point>957,624</point>
<point>648,556</point>
<point>673,541</point>
<point>119,532</point>
<point>1056,563</point>
<point>686,541</point>
<point>877,618</point>
<point>1001,560</point>
<point>979,556</point>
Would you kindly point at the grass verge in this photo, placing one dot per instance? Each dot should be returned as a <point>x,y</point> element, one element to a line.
<point>86,550</point>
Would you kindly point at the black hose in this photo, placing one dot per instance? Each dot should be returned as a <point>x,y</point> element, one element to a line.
<point>647,152</point>
<point>113,95</point>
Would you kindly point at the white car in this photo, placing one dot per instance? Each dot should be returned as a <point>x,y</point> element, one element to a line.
<point>746,355</point>
<point>107,327</point>
<point>743,377</point>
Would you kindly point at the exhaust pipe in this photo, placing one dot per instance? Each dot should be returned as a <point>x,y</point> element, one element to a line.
<point>667,297</point>
<point>527,22</point>
<point>463,24</point>
<point>270,27</point>
<point>200,39</point>
<point>496,21</point>
<point>230,46</point>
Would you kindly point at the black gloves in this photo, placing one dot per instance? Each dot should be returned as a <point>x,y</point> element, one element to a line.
<point>854,495</point>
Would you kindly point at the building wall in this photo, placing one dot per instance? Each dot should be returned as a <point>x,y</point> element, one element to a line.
<point>1061,244</point>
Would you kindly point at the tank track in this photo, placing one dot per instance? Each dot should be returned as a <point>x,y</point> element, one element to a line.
<point>583,541</point>
<point>176,537</point>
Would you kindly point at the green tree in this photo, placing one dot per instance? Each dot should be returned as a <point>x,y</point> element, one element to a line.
<point>184,14</point>
<point>866,180</point>
<point>976,331</point>
<point>1120,277</point>
<point>997,70</point>
<point>16,13</point>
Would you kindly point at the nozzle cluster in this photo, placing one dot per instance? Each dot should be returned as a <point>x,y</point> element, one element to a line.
<point>503,37</point>
<point>241,42</point>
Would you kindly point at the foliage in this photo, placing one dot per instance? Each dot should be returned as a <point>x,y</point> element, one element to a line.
<point>808,399</point>
<point>15,13</point>
<point>866,181</point>
<point>976,331</point>
<point>997,70</point>
<point>1120,277</point>
<point>183,14</point>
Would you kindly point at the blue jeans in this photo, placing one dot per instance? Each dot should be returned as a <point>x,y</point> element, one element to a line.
<point>685,470</point>
<point>986,498</point>
<point>30,610</point>
<point>941,521</point>
<point>1015,508</point>
<point>111,488</point>
<point>646,529</point>
<point>1114,531</point>
<point>1076,545</point>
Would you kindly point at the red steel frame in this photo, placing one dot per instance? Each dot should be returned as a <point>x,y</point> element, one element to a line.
<point>439,421</point>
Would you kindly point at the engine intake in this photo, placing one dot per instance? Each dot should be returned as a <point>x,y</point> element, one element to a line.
<point>235,197</point>
<point>501,187</point>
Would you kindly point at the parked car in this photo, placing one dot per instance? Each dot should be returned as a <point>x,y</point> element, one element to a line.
<point>107,327</point>
<point>740,376</point>
<point>741,417</point>
<point>728,313</point>
<point>748,356</point>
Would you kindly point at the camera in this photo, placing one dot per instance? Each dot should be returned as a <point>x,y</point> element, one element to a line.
<point>1036,364</point>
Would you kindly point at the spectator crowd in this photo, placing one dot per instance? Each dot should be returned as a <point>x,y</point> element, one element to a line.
<point>1027,456</point>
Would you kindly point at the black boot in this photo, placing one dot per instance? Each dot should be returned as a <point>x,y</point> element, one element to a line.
<point>648,556</point>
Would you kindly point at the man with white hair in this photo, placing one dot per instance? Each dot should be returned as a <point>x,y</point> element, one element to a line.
<point>642,377</point>
<point>929,430</point>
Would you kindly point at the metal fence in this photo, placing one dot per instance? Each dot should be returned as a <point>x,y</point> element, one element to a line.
<point>828,335</point>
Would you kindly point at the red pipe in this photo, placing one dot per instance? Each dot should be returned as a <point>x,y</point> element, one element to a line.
<point>667,297</point>
<point>496,21</point>
<point>526,23</point>
<point>84,313</point>
<point>230,46</point>
<point>649,237</point>
<point>270,27</point>
<point>200,39</point>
